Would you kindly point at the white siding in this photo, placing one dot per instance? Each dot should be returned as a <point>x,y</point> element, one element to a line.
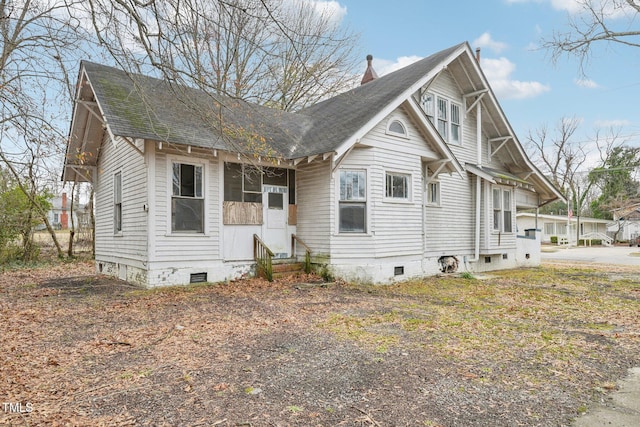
<point>129,246</point>
<point>451,226</point>
<point>396,225</point>
<point>177,247</point>
<point>315,207</point>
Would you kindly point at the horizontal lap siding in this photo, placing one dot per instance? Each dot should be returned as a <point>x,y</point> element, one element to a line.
<point>132,243</point>
<point>313,198</point>
<point>184,247</point>
<point>356,245</point>
<point>395,227</point>
<point>398,225</point>
<point>450,227</point>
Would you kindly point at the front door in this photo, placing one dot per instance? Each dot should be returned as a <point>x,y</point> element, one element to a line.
<point>275,202</point>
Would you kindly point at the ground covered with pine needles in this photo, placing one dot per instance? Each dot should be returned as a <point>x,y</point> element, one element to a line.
<point>523,347</point>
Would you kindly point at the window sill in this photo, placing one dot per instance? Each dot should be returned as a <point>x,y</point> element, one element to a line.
<point>186,234</point>
<point>433,205</point>
<point>397,135</point>
<point>398,201</point>
<point>118,234</point>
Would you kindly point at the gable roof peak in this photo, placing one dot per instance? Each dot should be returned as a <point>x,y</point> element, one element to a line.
<point>369,74</point>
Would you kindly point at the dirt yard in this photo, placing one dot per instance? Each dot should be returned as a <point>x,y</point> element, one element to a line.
<point>525,347</point>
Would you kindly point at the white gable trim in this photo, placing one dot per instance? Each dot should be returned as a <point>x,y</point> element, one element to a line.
<point>389,108</point>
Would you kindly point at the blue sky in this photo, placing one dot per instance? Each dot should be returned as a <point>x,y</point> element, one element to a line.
<point>531,89</point>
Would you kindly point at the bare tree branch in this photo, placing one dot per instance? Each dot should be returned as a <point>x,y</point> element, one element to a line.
<point>604,21</point>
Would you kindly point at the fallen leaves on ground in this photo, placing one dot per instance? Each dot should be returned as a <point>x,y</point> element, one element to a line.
<point>524,347</point>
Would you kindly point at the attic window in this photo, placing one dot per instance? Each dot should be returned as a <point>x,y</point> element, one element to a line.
<point>396,127</point>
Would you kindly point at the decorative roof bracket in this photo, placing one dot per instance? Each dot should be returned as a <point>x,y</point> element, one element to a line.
<point>504,140</point>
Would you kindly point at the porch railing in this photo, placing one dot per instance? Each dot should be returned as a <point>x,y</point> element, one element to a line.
<point>295,240</point>
<point>588,237</point>
<point>263,256</point>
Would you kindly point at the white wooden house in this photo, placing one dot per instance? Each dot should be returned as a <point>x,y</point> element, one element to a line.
<point>380,182</point>
<point>626,223</point>
<point>560,229</point>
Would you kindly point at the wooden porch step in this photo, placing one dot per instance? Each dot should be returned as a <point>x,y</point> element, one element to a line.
<point>285,267</point>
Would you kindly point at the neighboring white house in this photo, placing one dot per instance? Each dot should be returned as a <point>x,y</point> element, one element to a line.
<point>380,182</point>
<point>564,229</point>
<point>626,222</point>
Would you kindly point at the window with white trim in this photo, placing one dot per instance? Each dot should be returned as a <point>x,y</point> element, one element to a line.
<point>561,229</point>
<point>353,201</point>
<point>549,228</point>
<point>187,198</point>
<point>117,202</point>
<point>497,208</point>
<point>427,101</point>
<point>445,115</point>
<point>443,118</point>
<point>455,123</point>
<point>502,210</point>
<point>433,193</point>
<point>507,226</point>
<point>397,185</point>
<point>396,127</point>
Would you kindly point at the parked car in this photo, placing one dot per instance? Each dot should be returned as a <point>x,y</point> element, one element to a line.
<point>634,241</point>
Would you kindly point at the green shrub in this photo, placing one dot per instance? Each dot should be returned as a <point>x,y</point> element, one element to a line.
<point>593,242</point>
<point>554,239</point>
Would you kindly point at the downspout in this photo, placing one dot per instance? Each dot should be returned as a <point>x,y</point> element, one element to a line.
<point>476,252</point>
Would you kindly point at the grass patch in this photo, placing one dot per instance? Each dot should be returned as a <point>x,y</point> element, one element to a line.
<point>551,315</point>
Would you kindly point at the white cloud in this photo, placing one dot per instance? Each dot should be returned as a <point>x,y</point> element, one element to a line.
<point>588,83</point>
<point>571,6</point>
<point>615,123</point>
<point>330,8</point>
<point>384,66</point>
<point>499,71</point>
<point>485,40</point>
<point>612,9</point>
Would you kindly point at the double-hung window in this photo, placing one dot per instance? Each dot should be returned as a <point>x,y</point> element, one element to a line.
<point>445,114</point>
<point>353,201</point>
<point>443,118</point>
<point>397,186</point>
<point>117,203</point>
<point>502,213</point>
<point>187,200</point>
<point>433,193</point>
<point>455,123</point>
<point>506,211</point>
<point>427,100</point>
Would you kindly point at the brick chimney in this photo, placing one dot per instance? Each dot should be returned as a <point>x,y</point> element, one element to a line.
<point>370,73</point>
<point>64,215</point>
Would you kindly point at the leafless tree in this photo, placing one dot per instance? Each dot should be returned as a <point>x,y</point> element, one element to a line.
<point>285,54</point>
<point>39,42</point>
<point>557,155</point>
<point>596,22</point>
<point>573,166</point>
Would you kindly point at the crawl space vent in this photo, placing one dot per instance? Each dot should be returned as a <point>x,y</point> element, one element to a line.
<point>398,271</point>
<point>198,278</point>
<point>487,260</point>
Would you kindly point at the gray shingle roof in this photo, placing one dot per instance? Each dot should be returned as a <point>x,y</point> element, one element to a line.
<point>336,119</point>
<point>144,107</point>
<point>139,106</point>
